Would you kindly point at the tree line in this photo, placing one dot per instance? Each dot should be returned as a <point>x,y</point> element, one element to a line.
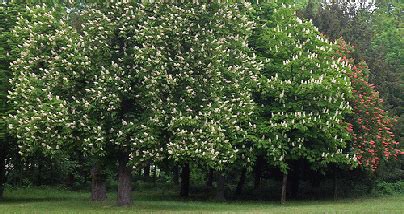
<point>225,87</point>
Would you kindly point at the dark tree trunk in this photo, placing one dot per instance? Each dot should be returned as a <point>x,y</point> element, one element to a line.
<point>154,174</point>
<point>176,175</point>
<point>124,181</point>
<point>70,181</point>
<point>258,172</point>
<point>209,179</point>
<point>39,173</point>
<point>284,185</point>
<point>220,187</point>
<point>371,180</point>
<point>241,182</point>
<point>185,177</point>
<point>146,174</point>
<point>98,186</point>
<point>335,185</point>
<point>2,167</point>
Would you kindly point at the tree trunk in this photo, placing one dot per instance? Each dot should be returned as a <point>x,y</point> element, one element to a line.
<point>98,186</point>
<point>70,181</point>
<point>146,174</point>
<point>176,175</point>
<point>185,177</point>
<point>284,185</point>
<point>2,167</point>
<point>39,172</point>
<point>258,172</point>
<point>124,181</point>
<point>241,182</point>
<point>371,180</point>
<point>335,185</point>
<point>209,179</point>
<point>154,174</point>
<point>220,187</point>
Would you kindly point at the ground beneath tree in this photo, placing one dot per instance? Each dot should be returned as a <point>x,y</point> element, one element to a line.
<point>51,200</point>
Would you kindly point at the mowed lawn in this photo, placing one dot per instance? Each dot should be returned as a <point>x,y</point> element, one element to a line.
<point>48,200</point>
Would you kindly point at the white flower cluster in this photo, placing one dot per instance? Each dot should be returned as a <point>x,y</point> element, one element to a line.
<point>124,77</point>
<point>204,76</point>
<point>167,80</point>
<point>40,110</point>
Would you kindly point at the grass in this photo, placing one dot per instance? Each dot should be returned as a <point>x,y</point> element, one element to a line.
<point>51,200</point>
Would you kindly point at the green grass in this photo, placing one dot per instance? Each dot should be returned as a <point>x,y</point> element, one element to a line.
<point>51,200</point>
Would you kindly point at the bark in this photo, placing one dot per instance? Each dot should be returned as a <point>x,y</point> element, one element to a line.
<point>70,181</point>
<point>284,185</point>
<point>371,180</point>
<point>154,170</point>
<point>176,175</point>
<point>124,181</point>
<point>98,185</point>
<point>146,173</point>
<point>39,173</point>
<point>209,180</point>
<point>258,172</point>
<point>241,182</point>
<point>220,187</point>
<point>2,167</point>
<point>185,177</point>
<point>335,185</point>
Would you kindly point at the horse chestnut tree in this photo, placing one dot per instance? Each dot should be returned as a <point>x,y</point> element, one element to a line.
<point>370,125</point>
<point>304,92</point>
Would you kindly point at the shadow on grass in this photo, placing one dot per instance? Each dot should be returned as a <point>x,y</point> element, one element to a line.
<point>166,198</point>
<point>16,200</point>
<point>39,194</point>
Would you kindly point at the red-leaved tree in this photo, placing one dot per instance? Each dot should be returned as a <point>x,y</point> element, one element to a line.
<point>370,125</point>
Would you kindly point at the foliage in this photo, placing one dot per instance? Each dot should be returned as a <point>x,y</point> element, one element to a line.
<point>370,125</point>
<point>75,90</point>
<point>386,188</point>
<point>385,55</point>
<point>94,87</point>
<point>304,92</point>
<point>341,20</point>
<point>377,38</point>
<point>39,114</point>
<point>205,73</point>
<point>212,85</point>
<point>8,15</point>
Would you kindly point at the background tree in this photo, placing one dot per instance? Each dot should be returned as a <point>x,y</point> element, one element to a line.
<point>385,58</point>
